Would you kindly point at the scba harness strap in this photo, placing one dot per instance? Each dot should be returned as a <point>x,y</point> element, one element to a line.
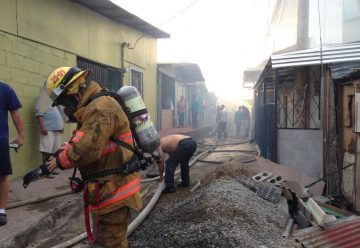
<point>90,235</point>
<point>127,168</point>
<point>140,161</point>
<point>137,162</point>
<point>105,92</point>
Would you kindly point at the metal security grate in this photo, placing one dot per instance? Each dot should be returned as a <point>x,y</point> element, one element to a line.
<point>299,98</point>
<point>264,190</point>
<point>137,81</point>
<point>106,76</point>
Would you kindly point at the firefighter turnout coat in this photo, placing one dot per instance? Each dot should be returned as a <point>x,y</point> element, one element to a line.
<point>92,152</point>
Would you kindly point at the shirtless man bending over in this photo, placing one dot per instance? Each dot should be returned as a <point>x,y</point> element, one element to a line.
<point>180,149</point>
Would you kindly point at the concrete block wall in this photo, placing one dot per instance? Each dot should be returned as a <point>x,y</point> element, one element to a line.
<point>301,149</point>
<point>25,65</point>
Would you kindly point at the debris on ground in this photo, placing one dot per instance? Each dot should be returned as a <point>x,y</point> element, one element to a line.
<point>222,214</point>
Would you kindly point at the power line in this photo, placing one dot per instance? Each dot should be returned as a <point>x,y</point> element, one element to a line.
<point>274,15</point>
<point>180,12</point>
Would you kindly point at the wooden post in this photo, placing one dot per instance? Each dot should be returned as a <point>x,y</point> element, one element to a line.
<point>357,163</point>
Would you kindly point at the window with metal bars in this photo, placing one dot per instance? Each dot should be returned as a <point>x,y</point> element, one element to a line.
<point>299,98</point>
<point>136,78</point>
<point>107,76</point>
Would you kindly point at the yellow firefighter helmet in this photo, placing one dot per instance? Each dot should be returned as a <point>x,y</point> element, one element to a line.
<point>65,80</point>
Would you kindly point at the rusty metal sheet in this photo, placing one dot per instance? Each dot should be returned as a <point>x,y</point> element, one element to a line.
<point>343,233</point>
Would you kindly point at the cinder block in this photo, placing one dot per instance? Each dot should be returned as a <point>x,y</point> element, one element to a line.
<point>50,59</point>
<point>58,53</point>
<point>71,60</point>
<point>5,42</point>
<point>27,111</point>
<point>32,65</point>
<point>19,76</point>
<point>64,62</point>
<point>2,57</point>
<point>36,79</point>
<point>5,72</point>
<point>45,49</point>
<point>275,179</point>
<point>45,69</point>
<point>18,88</point>
<point>31,91</point>
<point>20,48</point>
<point>15,60</point>
<point>33,45</point>
<point>262,176</point>
<point>36,54</point>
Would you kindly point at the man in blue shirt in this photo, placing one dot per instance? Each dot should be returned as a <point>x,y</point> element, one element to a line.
<point>8,103</point>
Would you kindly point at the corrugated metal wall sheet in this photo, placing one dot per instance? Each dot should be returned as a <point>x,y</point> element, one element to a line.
<point>344,233</point>
<point>342,70</point>
<point>328,54</point>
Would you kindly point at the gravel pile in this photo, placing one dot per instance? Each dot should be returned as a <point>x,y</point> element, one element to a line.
<point>221,214</point>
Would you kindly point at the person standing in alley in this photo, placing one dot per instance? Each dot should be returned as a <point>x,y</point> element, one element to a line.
<point>51,128</point>
<point>195,108</point>
<point>9,102</point>
<point>222,122</point>
<point>245,121</point>
<point>218,112</point>
<point>180,149</point>
<point>237,121</point>
<point>181,110</point>
<point>202,112</point>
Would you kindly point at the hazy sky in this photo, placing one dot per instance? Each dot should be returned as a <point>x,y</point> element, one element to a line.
<point>223,37</point>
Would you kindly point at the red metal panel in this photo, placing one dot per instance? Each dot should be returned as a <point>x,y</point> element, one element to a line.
<point>344,234</point>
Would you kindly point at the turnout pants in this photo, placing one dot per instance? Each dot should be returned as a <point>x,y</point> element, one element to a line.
<point>112,229</point>
<point>181,155</point>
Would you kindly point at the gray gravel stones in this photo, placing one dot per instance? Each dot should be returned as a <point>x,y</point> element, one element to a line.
<point>222,214</point>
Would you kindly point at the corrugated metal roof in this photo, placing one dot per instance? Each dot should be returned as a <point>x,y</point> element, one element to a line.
<point>328,54</point>
<point>251,75</point>
<point>118,14</point>
<point>343,70</point>
<point>183,72</point>
<point>343,233</point>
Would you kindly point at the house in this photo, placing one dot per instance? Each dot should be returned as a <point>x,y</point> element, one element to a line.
<point>176,80</point>
<point>306,101</point>
<point>38,36</point>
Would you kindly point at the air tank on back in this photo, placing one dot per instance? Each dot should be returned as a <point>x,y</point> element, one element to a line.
<point>145,133</point>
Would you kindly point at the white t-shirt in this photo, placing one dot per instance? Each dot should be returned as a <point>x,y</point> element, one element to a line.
<point>223,116</point>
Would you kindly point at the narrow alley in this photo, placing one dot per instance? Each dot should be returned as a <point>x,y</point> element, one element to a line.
<point>192,123</point>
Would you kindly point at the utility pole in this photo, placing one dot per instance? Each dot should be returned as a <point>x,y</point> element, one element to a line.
<point>302,25</point>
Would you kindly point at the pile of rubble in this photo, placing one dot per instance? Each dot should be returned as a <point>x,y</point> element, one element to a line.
<point>221,214</point>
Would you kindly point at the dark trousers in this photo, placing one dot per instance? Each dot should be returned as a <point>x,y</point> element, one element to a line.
<point>222,130</point>
<point>5,162</point>
<point>181,119</point>
<point>237,126</point>
<point>194,119</point>
<point>181,155</point>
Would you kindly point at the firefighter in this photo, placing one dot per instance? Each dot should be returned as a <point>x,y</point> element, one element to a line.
<point>108,193</point>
